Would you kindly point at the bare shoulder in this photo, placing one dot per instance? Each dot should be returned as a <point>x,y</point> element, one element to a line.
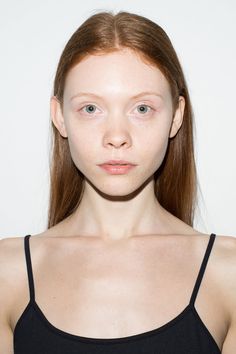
<point>11,261</point>
<point>226,276</point>
<point>225,251</point>
<point>225,254</point>
<point>11,251</point>
<point>10,243</point>
<point>12,273</point>
<point>227,243</point>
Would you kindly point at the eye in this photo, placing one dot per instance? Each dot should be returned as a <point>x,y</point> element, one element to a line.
<point>143,108</point>
<point>90,108</point>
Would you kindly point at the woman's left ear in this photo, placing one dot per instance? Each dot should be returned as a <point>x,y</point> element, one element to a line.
<point>178,117</point>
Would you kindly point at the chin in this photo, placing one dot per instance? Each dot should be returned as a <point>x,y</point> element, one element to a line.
<point>121,188</point>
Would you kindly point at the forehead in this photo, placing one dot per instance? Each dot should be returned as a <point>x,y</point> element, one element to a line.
<point>122,70</point>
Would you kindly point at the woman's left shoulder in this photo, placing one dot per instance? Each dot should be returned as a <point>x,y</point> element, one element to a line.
<point>225,267</point>
<point>225,277</point>
<point>226,247</point>
<point>223,261</point>
<point>225,254</point>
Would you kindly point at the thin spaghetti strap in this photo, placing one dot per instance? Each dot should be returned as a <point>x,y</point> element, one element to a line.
<point>202,269</point>
<point>29,267</point>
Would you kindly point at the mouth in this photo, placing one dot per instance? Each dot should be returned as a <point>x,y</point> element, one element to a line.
<point>117,163</point>
<point>117,169</point>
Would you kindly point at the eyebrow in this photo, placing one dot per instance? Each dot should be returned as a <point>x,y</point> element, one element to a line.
<point>145,93</point>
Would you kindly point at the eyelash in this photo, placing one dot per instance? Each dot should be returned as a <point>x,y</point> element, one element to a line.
<point>142,104</point>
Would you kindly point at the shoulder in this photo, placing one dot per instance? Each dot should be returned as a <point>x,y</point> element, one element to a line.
<point>225,252</point>
<point>11,249</point>
<point>11,272</point>
<point>225,255</point>
<point>10,242</point>
<point>222,268</point>
<point>227,242</point>
<point>11,252</point>
<point>225,272</point>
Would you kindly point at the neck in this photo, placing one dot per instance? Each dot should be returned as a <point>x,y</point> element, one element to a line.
<point>118,217</point>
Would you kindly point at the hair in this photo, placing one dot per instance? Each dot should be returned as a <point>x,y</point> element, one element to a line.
<point>175,179</point>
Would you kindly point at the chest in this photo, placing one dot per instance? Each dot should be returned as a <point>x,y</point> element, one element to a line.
<point>128,291</point>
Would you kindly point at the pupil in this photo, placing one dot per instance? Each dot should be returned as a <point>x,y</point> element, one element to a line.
<point>142,108</point>
<point>90,108</point>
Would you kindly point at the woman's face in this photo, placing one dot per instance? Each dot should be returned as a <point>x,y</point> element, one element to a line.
<point>117,107</point>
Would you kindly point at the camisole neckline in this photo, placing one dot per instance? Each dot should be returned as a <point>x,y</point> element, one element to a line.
<point>190,308</point>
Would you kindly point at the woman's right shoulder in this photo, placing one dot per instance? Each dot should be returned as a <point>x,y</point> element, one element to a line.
<point>11,252</point>
<point>10,241</point>
<point>12,268</point>
<point>13,261</point>
<point>11,249</point>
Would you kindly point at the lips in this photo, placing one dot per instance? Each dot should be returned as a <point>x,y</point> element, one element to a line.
<point>117,169</point>
<point>117,162</point>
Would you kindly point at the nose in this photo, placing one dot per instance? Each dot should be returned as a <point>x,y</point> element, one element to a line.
<point>117,135</point>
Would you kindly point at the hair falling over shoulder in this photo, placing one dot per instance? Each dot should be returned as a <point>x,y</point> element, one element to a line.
<point>175,180</point>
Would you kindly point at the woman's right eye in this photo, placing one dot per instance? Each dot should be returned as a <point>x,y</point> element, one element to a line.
<point>90,108</point>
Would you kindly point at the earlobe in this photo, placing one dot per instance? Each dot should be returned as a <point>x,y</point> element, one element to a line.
<point>57,116</point>
<point>178,118</point>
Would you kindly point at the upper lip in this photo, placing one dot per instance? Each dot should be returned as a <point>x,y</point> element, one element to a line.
<point>117,162</point>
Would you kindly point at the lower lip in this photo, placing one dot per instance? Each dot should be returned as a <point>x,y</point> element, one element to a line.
<point>117,169</point>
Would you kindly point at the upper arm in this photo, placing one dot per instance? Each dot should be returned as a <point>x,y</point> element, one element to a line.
<point>6,289</point>
<point>229,345</point>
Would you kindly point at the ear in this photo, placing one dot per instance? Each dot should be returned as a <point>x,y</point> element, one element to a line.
<point>178,117</point>
<point>57,116</point>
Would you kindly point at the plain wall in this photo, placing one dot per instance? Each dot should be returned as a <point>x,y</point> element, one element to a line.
<point>33,35</point>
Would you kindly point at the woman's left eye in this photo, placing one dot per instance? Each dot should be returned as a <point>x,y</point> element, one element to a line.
<point>143,108</point>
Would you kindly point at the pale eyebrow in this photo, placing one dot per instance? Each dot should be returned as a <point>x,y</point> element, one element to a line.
<point>145,93</point>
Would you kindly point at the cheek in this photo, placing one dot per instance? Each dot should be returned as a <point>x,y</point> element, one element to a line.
<point>82,147</point>
<point>155,135</point>
<point>156,151</point>
<point>153,146</point>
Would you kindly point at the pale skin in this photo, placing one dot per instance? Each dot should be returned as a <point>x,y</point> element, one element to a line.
<point>117,130</point>
<point>120,238</point>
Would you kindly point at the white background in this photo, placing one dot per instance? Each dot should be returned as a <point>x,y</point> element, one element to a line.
<point>33,35</point>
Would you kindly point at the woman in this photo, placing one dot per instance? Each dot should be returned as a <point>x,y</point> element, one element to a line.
<point>120,268</point>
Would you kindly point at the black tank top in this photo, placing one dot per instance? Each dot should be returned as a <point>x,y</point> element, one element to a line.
<point>184,334</point>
